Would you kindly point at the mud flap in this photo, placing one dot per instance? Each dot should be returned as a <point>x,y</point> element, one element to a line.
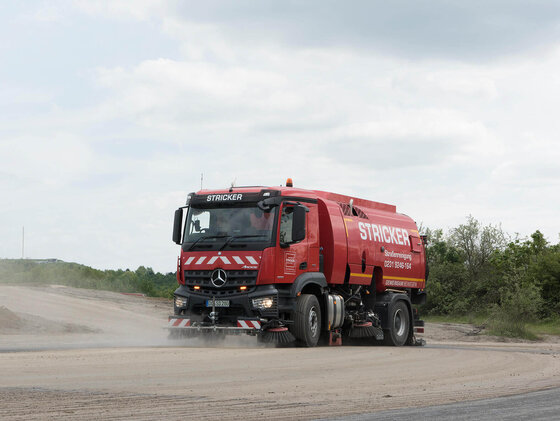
<point>335,337</point>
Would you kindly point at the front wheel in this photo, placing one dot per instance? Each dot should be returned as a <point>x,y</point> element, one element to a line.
<point>399,325</point>
<point>307,320</point>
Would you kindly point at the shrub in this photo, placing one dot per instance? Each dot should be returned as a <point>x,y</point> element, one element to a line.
<point>519,306</point>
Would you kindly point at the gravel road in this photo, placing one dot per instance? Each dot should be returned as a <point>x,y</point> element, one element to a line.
<point>81,354</point>
<point>532,406</point>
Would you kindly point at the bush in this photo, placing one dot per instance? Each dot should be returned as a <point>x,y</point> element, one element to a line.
<point>519,306</point>
<point>474,272</point>
<point>545,272</point>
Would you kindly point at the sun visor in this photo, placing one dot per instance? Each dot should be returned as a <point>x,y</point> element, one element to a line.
<point>227,199</point>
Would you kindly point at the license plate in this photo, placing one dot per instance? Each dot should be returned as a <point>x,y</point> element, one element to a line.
<point>217,303</point>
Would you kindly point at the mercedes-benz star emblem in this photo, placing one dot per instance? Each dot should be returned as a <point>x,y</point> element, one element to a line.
<point>218,278</point>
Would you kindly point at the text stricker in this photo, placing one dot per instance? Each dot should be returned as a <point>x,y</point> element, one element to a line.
<point>383,233</point>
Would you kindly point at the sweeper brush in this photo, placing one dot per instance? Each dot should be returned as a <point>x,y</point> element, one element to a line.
<point>279,335</point>
<point>365,330</point>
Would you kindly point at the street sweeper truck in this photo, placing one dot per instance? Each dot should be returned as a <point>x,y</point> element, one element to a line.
<point>291,265</point>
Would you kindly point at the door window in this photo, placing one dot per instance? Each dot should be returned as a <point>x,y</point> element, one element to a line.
<point>286,221</point>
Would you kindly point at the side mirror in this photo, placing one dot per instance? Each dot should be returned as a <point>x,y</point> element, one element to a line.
<point>298,225</point>
<point>267,204</point>
<point>177,225</point>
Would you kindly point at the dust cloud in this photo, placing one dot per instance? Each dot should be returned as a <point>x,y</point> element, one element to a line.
<point>61,317</point>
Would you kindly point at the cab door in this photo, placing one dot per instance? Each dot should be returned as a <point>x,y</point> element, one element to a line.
<point>292,252</point>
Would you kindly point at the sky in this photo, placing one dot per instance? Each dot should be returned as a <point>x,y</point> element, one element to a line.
<point>110,111</point>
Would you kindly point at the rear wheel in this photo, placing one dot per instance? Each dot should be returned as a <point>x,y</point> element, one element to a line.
<point>399,325</point>
<point>307,320</point>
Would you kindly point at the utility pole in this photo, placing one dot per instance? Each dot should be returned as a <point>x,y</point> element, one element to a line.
<point>201,178</point>
<point>22,241</point>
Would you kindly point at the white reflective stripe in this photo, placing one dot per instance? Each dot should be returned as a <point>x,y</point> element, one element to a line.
<point>200,260</point>
<point>189,260</point>
<point>182,323</point>
<point>225,260</point>
<point>252,260</point>
<point>212,260</point>
<point>249,324</point>
<point>238,260</point>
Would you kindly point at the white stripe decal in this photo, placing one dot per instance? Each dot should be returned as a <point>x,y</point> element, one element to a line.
<point>249,324</point>
<point>239,260</point>
<point>179,322</point>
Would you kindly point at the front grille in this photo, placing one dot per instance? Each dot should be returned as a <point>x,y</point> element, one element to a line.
<point>235,279</point>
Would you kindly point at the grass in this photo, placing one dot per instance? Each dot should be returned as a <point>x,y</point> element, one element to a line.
<point>545,327</point>
<point>502,326</point>
<point>511,329</point>
<point>473,319</point>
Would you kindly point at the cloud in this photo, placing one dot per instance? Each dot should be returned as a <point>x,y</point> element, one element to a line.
<point>470,31</point>
<point>45,160</point>
<point>122,9</point>
<point>421,29</point>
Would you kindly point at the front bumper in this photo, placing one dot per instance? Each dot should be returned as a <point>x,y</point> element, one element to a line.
<point>240,306</point>
<point>184,325</point>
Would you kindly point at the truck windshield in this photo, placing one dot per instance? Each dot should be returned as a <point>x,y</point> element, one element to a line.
<point>228,227</point>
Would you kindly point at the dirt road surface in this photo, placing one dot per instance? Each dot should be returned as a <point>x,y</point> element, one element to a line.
<point>70,353</point>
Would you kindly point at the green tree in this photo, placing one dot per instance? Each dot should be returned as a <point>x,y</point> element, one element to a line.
<point>477,244</point>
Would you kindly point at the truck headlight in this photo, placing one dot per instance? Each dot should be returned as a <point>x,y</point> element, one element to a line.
<point>180,302</point>
<point>263,302</point>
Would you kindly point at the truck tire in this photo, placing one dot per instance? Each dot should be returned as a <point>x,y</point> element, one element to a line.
<point>399,325</point>
<point>307,320</point>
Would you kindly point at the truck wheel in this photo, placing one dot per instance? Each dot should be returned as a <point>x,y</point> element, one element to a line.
<point>399,325</point>
<point>307,320</point>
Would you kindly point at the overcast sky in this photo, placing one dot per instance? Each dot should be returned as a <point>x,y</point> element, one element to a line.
<point>111,110</point>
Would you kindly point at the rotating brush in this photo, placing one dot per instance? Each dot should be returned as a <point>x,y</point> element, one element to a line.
<point>365,330</point>
<point>279,335</point>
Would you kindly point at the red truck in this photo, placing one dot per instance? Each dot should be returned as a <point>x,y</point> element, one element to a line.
<point>288,264</point>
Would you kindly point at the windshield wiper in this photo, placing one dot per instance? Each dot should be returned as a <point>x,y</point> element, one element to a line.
<point>235,237</point>
<point>207,237</point>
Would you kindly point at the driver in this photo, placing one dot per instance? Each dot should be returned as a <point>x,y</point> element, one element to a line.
<point>261,221</point>
<point>221,224</point>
